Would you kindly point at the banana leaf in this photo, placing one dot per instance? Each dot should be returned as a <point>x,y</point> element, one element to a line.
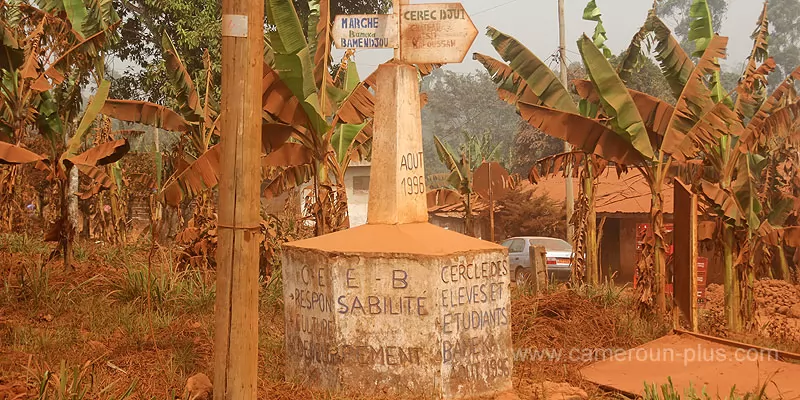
<point>146,113</point>
<point>695,100</point>
<point>288,179</point>
<point>781,123</point>
<point>287,156</point>
<point>319,45</point>
<point>632,57</point>
<point>760,50</point>
<point>541,80</point>
<point>615,99</point>
<point>655,112</point>
<point>186,93</point>
<point>92,110</point>
<point>280,102</point>
<point>511,88</point>
<point>584,133</point>
<point>90,46</point>
<point>293,61</point>
<point>11,154</point>
<point>359,104</point>
<point>102,154</point>
<point>676,65</point>
<point>592,13</point>
<point>201,175</point>
<point>701,31</point>
<point>563,162</point>
<point>745,188</point>
<point>753,132</point>
<point>273,136</point>
<point>99,181</point>
<point>750,92</point>
<point>77,14</point>
<point>348,137</point>
<point>30,68</point>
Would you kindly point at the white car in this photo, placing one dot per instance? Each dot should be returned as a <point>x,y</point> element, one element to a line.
<point>559,256</point>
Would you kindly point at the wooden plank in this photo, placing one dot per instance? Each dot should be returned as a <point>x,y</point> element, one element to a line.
<point>779,354</point>
<point>236,326</point>
<point>684,266</point>
<point>689,359</point>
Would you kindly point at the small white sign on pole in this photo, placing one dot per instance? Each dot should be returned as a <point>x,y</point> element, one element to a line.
<point>367,31</point>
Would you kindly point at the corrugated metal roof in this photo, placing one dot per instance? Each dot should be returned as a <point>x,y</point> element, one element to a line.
<point>626,194</point>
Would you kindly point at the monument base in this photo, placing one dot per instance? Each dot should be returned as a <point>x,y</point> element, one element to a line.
<point>408,309</point>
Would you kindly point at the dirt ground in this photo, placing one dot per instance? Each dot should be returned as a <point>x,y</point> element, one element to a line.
<point>96,329</point>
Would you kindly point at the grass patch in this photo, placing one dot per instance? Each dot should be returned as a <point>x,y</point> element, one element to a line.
<point>164,289</point>
<point>22,244</point>
<point>668,391</point>
<point>77,383</point>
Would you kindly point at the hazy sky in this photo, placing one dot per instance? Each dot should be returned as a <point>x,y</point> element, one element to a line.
<point>535,24</point>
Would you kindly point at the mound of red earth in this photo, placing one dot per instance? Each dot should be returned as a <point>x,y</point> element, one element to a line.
<point>777,308</point>
<point>774,297</point>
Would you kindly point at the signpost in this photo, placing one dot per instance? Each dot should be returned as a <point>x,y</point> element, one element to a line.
<point>423,33</point>
<point>491,181</point>
<point>399,306</point>
<point>435,33</point>
<point>365,31</point>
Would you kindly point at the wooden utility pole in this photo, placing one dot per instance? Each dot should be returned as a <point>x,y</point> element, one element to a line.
<point>491,206</point>
<point>562,62</point>
<point>236,327</point>
<point>396,10</point>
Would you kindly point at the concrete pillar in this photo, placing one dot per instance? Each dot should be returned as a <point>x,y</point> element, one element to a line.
<point>397,192</point>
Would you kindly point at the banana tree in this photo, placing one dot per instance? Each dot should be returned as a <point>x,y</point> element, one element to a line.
<point>513,88</point>
<point>473,153</point>
<point>291,111</point>
<point>48,51</point>
<point>88,162</point>
<point>107,188</point>
<point>735,142</point>
<point>329,116</point>
<point>699,126</point>
<point>622,133</point>
<point>196,162</point>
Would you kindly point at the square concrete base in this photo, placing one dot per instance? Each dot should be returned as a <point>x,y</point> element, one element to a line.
<point>408,309</point>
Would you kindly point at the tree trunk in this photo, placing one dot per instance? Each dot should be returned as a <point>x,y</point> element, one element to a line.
<point>8,186</point>
<point>659,252</point>
<point>469,223</point>
<point>746,293</point>
<point>74,211</point>
<point>785,274</point>
<point>592,264</point>
<point>731,283</point>
<point>66,227</point>
<point>69,208</point>
<point>342,204</point>
<point>321,195</point>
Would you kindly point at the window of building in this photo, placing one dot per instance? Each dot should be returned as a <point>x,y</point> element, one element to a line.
<point>361,183</point>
